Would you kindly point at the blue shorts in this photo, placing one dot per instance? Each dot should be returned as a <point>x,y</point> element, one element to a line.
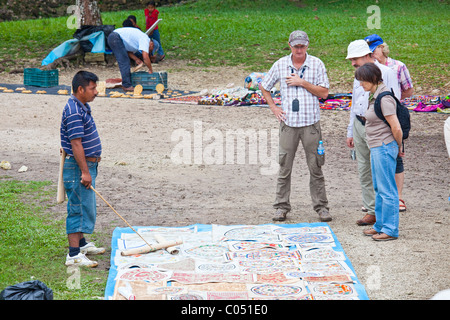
<point>399,167</point>
<point>81,205</point>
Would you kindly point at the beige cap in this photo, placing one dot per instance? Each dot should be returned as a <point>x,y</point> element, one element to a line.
<point>298,37</point>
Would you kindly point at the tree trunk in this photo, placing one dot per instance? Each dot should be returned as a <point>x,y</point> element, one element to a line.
<point>90,13</point>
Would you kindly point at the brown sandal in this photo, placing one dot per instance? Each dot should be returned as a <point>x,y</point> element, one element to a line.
<point>370,232</point>
<point>383,237</point>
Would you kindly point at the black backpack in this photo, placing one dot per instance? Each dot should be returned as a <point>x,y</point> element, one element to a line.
<point>402,112</point>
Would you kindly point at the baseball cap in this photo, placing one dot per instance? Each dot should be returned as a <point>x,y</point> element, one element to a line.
<point>357,48</point>
<point>373,41</point>
<point>298,37</point>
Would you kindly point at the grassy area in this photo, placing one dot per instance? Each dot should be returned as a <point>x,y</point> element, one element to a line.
<point>34,243</point>
<point>251,33</point>
<point>254,33</point>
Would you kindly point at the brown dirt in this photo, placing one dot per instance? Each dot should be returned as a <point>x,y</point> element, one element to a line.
<point>139,179</point>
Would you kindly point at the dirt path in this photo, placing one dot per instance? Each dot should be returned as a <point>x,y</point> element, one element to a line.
<point>139,174</point>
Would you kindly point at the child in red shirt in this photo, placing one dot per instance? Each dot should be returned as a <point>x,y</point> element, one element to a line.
<point>151,15</point>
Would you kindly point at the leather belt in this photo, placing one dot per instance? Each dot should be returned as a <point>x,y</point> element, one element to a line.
<point>361,119</point>
<point>93,159</point>
<point>90,159</point>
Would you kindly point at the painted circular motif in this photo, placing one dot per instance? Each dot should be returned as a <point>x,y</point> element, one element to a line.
<point>144,275</point>
<point>217,268</point>
<point>257,263</point>
<point>261,270</point>
<point>187,296</point>
<point>207,251</point>
<point>167,290</point>
<point>264,266</point>
<point>309,237</point>
<point>245,233</point>
<point>276,290</point>
<point>299,274</point>
<point>331,289</point>
<point>292,230</point>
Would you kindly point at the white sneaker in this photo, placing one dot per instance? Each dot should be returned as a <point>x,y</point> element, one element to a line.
<point>90,248</point>
<point>80,260</point>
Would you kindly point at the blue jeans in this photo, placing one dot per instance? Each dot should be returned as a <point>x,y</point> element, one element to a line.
<point>156,49</point>
<point>81,205</point>
<point>118,48</point>
<point>383,162</point>
<point>156,36</point>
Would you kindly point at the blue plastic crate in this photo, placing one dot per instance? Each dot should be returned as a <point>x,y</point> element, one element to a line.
<point>149,81</point>
<point>40,78</point>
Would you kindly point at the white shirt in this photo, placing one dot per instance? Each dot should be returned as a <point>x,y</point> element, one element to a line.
<point>360,98</point>
<point>447,134</point>
<point>134,39</point>
<point>313,71</point>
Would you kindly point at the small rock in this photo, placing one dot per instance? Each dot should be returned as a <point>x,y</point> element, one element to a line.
<point>5,165</point>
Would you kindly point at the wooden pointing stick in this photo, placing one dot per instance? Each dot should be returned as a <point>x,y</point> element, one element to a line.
<point>120,216</point>
<point>145,249</point>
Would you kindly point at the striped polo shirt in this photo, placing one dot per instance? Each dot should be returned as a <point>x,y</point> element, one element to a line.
<point>77,122</point>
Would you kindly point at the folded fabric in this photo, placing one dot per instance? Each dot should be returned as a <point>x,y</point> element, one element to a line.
<point>440,110</point>
<point>446,102</point>
<point>421,107</point>
<point>336,104</point>
<point>97,39</point>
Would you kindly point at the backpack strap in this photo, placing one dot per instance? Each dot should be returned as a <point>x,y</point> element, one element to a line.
<point>377,105</point>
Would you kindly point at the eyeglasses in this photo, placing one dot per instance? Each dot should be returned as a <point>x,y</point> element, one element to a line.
<point>298,46</point>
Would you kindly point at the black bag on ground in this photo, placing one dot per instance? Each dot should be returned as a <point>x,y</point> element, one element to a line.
<point>29,290</point>
<point>402,113</point>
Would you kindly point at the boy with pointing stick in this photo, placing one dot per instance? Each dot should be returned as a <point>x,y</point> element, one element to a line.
<point>81,142</point>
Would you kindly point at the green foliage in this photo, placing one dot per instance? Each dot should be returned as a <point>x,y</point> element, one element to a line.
<point>34,243</point>
<point>253,33</point>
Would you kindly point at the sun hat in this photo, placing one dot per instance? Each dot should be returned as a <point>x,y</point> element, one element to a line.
<point>298,37</point>
<point>357,48</point>
<point>373,41</point>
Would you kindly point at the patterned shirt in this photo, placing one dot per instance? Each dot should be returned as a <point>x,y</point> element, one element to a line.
<point>77,122</point>
<point>403,77</point>
<point>313,71</point>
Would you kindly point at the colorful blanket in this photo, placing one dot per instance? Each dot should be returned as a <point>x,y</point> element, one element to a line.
<point>428,104</point>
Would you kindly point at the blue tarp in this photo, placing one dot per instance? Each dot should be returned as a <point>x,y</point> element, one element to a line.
<point>71,46</point>
<point>117,233</point>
